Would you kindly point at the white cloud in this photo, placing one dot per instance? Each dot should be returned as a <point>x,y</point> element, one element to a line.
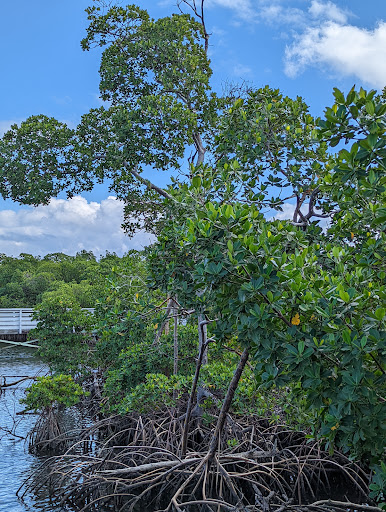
<point>286,214</point>
<point>275,14</point>
<point>321,35</point>
<point>347,49</point>
<point>244,9</point>
<point>328,10</point>
<point>269,11</point>
<point>240,70</point>
<point>68,225</point>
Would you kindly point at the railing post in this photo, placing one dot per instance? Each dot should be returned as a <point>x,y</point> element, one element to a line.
<point>20,320</point>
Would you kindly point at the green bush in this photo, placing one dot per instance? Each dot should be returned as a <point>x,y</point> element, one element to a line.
<point>49,391</point>
<point>64,333</point>
<point>157,392</point>
<point>378,485</point>
<point>144,357</point>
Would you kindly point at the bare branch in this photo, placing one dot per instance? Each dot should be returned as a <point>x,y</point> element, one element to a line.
<point>199,13</point>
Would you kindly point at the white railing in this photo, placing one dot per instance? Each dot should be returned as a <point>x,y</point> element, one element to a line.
<point>16,320</point>
<point>19,320</point>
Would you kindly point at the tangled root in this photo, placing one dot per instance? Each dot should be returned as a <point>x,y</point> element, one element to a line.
<point>46,436</point>
<point>256,468</point>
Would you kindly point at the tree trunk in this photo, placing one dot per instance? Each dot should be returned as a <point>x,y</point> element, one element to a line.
<point>175,338</point>
<point>202,338</point>
<point>192,395</point>
<point>226,404</point>
<point>165,324</point>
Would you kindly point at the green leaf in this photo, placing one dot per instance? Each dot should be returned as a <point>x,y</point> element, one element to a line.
<point>346,335</point>
<point>228,211</point>
<point>308,352</point>
<point>350,96</point>
<point>339,96</point>
<point>372,177</point>
<point>344,295</point>
<point>370,107</point>
<point>292,350</point>
<point>196,181</point>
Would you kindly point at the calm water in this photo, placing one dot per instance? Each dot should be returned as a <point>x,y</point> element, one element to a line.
<point>15,462</point>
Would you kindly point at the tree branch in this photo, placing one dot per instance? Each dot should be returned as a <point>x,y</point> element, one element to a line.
<point>148,183</point>
<point>227,403</point>
<point>200,148</point>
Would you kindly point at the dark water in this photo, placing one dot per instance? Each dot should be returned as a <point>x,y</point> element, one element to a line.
<point>16,464</point>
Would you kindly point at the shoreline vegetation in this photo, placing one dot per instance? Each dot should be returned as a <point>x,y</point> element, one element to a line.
<point>138,452</point>
<point>238,363</point>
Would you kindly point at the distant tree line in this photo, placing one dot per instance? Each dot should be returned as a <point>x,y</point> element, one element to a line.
<point>25,280</point>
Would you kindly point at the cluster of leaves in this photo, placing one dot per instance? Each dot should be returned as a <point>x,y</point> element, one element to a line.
<point>118,322</point>
<point>266,152</point>
<point>283,406</point>
<point>144,357</point>
<point>356,185</point>
<point>378,485</point>
<point>51,391</point>
<point>158,392</point>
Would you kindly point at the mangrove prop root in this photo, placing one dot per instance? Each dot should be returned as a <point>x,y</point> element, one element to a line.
<point>136,463</point>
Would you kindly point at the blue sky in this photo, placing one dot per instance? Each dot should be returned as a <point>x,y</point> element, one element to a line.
<point>303,47</point>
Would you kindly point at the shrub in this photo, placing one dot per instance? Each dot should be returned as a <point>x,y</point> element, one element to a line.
<point>51,391</point>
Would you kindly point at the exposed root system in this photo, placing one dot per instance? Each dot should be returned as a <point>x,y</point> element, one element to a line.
<point>46,436</point>
<point>256,468</point>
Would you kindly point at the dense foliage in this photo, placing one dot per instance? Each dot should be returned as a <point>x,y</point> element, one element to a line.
<point>25,280</point>
<point>308,304</point>
<point>303,299</point>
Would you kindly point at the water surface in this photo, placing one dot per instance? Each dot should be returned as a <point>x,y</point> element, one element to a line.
<point>16,464</point>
